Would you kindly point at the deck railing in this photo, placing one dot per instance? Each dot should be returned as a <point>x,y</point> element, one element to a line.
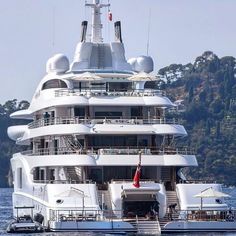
<point>67,181</point>
<point>109,151</point>
<point>207,215</point>
<point>102,92</point>
<point>78,120</point>
<point>92,214</point>
<point>83,214</point>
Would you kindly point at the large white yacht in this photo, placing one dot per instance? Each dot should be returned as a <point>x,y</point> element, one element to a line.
<point>95,122</point>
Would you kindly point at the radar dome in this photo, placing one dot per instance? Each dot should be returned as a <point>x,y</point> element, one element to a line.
<point>59,63</point>
<point>144,63</point>
<point>141,64</point>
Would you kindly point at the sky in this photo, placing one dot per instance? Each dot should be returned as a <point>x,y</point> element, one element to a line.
<point>179,30</point>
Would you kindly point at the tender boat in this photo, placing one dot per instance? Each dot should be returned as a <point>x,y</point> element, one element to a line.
<point>24,224</point>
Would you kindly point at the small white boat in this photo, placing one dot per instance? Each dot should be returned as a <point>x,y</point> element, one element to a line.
<point>24,224</point>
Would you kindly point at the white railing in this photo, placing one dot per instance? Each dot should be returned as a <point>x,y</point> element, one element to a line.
<point>77,120</point>
<point>110,151</point>
<point>83,214</point>
<point>97,93</point>
<point>57,151</point>
<point>92,214</point>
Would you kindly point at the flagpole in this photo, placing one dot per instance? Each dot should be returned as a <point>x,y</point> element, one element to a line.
<point>140,156</point>
<point>137,174</point>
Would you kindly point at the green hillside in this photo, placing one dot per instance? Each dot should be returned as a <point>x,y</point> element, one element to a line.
<point>7,147</point>
<point>208,90</point>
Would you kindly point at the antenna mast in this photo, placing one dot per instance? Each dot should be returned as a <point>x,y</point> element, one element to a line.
<point>148,36</point>
<point>96,6</point>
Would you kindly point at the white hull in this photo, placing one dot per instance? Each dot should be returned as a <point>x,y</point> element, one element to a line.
<point>110,226</point>
<point>199,226</point>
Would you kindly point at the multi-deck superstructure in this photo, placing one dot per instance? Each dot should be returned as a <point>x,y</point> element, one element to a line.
<point>91,122</point>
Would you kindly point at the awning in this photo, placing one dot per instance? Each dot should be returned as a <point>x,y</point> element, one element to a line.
<point>139,191</point>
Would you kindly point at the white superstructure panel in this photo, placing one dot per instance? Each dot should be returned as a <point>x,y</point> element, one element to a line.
<point>47,99</point>
<point>22,114</point>
<point>186,193</point>
<point>17,132</point>
<point>57,160</point>
<point>22,134</point>
<point>107,160</point>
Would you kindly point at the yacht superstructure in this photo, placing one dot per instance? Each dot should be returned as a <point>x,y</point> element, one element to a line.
<point>91,123</point>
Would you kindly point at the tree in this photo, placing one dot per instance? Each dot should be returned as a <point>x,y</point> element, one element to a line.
<point>217,129</point>
<point>190,95</point>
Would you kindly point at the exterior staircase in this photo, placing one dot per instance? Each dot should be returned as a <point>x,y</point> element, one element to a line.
<point>148,227</point>
<point>107,199</point>
<point>171,199</point>
<point>165,174</point>
<point>74,173</point>
<point>71,143</point>
<point>107,203</point>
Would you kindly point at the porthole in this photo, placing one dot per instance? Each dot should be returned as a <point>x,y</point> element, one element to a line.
<point>59,201</point>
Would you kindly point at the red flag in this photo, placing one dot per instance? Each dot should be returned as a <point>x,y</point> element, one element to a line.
<point>136,179</point>
<point>110,16</point>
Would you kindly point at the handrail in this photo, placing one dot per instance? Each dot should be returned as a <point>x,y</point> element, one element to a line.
<point>147,151</point>
<point>57,151</point>
<point>131,180</point>
<point>84,213</point>
<point>68,181</point>
<point>76,120</point>
<point>197,181</point>
<point>207,215</point>
<point>110,151</point>
<point>137,223</point>
<point>96,92</point>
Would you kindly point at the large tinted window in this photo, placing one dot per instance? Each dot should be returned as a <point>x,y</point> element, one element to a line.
<point>54,83</point>
<point>105,141</point>
<point>119,86</point>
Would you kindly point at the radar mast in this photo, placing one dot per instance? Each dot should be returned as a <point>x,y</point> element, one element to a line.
<point>96,6</point>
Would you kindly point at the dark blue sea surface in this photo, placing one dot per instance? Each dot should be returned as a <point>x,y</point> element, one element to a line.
<point>6,216</point>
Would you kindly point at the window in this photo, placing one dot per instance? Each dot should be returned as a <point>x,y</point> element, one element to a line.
<point>119,86</point>
<point>104,141</point>
<point>19,177</point>
<point>108,114</point>
<point>42,174</point>
<point>79,112</point>
<point>54,83</point>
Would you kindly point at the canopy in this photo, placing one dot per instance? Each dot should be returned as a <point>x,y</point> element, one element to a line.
<point>211,193</point>
<point>143,76</point>
<point>87,76</point>
<point>72,192</point>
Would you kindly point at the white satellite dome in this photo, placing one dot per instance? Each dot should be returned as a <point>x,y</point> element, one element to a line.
<point>141,64</point>
<point>144,63</point>
<point>59,63</point>
<point>132,61</point>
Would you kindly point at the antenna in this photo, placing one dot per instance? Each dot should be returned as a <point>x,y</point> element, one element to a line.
<point>148,33</point>
<point>108,22</point>
<point>53,26</point>
<point>85,10</point>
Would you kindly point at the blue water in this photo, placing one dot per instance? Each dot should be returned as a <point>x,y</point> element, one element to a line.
<point>6,216</point>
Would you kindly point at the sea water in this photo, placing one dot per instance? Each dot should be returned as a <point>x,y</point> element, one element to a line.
<point>6,216</point>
